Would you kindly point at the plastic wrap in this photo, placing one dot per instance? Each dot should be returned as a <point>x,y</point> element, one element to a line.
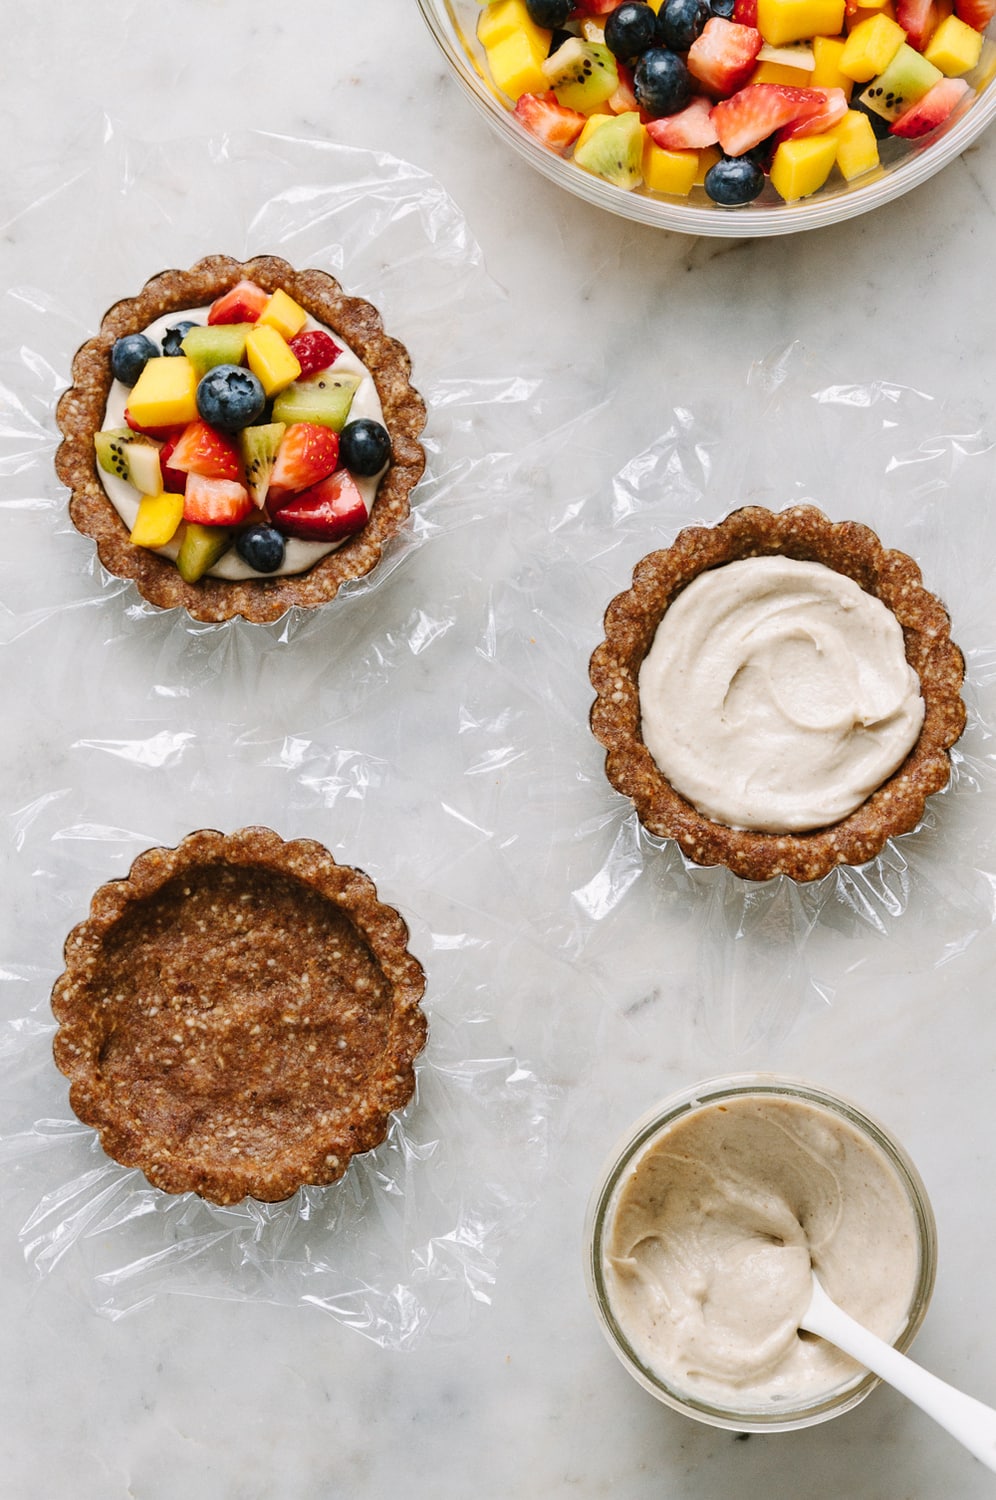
<point>430,726</point>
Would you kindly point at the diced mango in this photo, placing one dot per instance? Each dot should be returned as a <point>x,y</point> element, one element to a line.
<point>669,171</point>
<point>516,62</point>
<point>708,157</point>
<point>870,48</point>
<point>857,13</point>
<point>164,395</point>
<point>802,165</point>
<point>772,72</point>
<point>271,359</point>
<point>501,19</point>
<point>157,519</point>
<point>781,21</point>
<point>283,314</point>
<point>857,148</point>
<point>826,73</point>
<point>955,47</point>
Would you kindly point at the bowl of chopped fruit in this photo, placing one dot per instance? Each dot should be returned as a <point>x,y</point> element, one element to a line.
<point>728,117</point>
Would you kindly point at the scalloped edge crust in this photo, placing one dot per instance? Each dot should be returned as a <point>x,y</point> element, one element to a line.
<point>80,412</point>
<point>357,1122</point>
<point>801,532</point>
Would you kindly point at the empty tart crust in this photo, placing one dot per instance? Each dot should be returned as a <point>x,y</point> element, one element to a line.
<point>239,1016</point>
<point>80,414</point>
<point>804,533</point>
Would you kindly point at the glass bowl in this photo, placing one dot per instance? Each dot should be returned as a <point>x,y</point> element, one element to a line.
<point>904,164</point>
<point>778,1412</point>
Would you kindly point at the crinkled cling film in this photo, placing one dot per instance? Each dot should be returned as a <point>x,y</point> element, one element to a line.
<point>334,726</point>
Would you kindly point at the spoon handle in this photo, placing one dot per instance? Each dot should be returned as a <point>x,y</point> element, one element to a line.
<point>970,1421</point>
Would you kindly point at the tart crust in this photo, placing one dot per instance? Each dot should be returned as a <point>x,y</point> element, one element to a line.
<point>848,547</point>
<point>80,413</point>
<point>239,1016</point>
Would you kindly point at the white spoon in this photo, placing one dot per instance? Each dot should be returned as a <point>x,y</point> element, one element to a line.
<point>968,1420</point>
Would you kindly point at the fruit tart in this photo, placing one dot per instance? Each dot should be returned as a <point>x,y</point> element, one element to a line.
<point>778,693</point>
<point>239,1016</point>
<point>240,438</point>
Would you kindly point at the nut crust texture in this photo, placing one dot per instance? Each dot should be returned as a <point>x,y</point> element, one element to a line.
<point>80,413</point>
<point>848,547</point>
<point>239,1016</point>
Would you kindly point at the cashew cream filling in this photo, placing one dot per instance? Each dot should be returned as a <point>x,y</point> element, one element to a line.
<point>776,695</point>
<point>299,555</point>
<point>710,1243</point>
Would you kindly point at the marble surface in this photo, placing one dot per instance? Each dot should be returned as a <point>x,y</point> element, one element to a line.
<point>594,385</point>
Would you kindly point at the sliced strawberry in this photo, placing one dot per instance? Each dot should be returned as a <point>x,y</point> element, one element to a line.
<point>327,512</point>
<point>159,433</point>
<point>174,480</point>
<point>215,502</point>
<point>722,57</point>
<point>919,19</point>
<point>314,350</point>
<point>624,101</point>
<point>745,12</point>
<point>556,127</point>
<point>243,304</point>
<point>932,110</point>
<point>688,130</point>
<point>752,114</point>
<point>307,453</point>
<point>976,13</point>
<point>823,118</point>
<point>203,450</point>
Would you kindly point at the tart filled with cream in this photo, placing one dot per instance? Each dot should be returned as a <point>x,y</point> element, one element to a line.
<point>232,428</point>
<point>777,693</point>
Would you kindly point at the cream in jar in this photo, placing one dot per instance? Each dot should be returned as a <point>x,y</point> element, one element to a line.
<point>712,1234</point>
<point>776,695</point>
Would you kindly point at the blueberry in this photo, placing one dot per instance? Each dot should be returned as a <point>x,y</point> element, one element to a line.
<point>733,181</point>
<point>229,398</point>
<point>682,21</point>
<point>261,547</point>
<point>550,13</point>
<point>661,82</point>
<point>364,446</point>
<point>630,30</point>
<point>130,355</point>
<point>173,337</point>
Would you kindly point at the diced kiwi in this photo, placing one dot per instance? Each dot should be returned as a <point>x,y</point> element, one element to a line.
<point>258,451</point>
<point>130,456</point>
<point>201,548</point>
<point>324,398</point>
<point>904,81</point>
<point>582,74</point>
<point>614,150</point>
<point>217,344</point>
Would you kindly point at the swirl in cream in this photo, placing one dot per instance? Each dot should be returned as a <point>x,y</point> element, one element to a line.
<point>708,1254</point>
<point>777,695</point>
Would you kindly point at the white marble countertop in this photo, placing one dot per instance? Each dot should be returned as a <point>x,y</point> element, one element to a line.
<point>433,730</point>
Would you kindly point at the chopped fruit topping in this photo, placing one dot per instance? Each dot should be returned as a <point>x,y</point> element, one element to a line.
<point>932,110</point>
<point>271,358</point>
<point>174,480</point>
<point>364,447</point>
<point>330,511</point>
<point>258,448</point>
<point>750,116</point>
<point>723,57</point>
<point>221,345</point>
<point>632,29</point>
<point>975,13</point>
<point>215,502</point>
<point>200,549</point>
<point>669,171</point>
<point>801,166</point>
<point>315,350</point>
<point>157,520</point>
<point>871,47</point>
<point>173,337</point>
<point>686,131</point>
<point>733,181</point>
<point>558,128</point>
<point>160,433</point>
<point>661,82</point>
<point>203,450</point>
<point>822,119</point>
<point>243,304</point>
<point>307,453</point>
<point>954,47</point>
<point>130,355</point>
<point>325,398</point>
<point>130,457</point>
<point>284,314</point>
<point>229,397</point>
<point>164,395</point>
<point>262,547</point>
<point>797,20</point>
